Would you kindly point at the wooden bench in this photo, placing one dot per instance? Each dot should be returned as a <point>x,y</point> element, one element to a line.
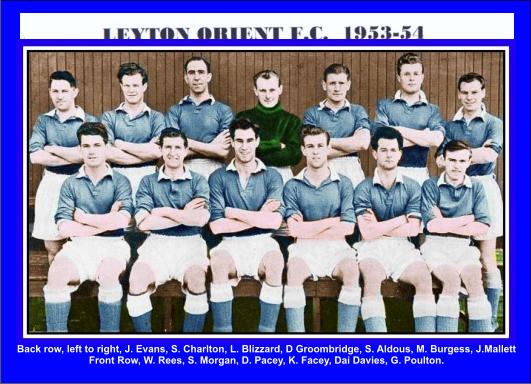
<point>316,290</point>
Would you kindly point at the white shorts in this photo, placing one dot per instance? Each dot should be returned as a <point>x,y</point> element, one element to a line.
<point>495,201</point>
<point>321,256</point>
<point>350,167</point>
<point>46,200</point>
<point>454,251</point>
<point>247,253</point>
<point>395,254</point>
<point>170,256</point>
<point>419,174</point>
<point>205,167</point>
<point>135,175</point>
<point>285,172</point>
<point>87,253</point>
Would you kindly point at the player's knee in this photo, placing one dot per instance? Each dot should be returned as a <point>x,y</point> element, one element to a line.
<point>348,269</point>
<point>52,247</point>
<point>109,271</point>
<point>220,262</point>
<point>195,279</point>
<point>471,276</point>
<point>297,271</point>
<point>62,272</point>
<point>274,265</point>
<point>450,280</point>
<point>420,277</point>
<point>141,278</point>
<point>373,274</point>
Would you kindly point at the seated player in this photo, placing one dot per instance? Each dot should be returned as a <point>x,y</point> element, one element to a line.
<point>173,204</point>
<point>388,212</point>
<point>320,214</point>
<point>454,208</point>
<point>246,206</point>
<point>484,133</point>
<point>94,206</point>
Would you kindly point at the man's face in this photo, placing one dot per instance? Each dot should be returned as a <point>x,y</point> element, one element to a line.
<point>245,143</point>
<point>410,78</point>
<point>173,152</point>
<point>316,150</point>
<point>336,87</point>
<point>471,95</point>
<point>63,95</point>
<point>197,76</point>
<point>92,150</point>
<point>133,89</point>
<point>388,154</point>
<point>456,164</point>
<point>268,91</point>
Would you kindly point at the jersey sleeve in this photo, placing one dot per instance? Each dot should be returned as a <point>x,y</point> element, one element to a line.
<point>382,116</point>
<point>38,135</point>
<point>226,116</point>
<point>495,134</point>
<point>123,194</point>
<point>109,120</point>
<point>414,200</point>
<point>346,194</point>
<point>217,198</point>
<point>157,124</point>
<point>436,122</point>
<point>290,199</point>
<point>429,199</point>
<point>361,118</point>
<point>173,116</point>
<point>66,204</point>
<point>481,205</point>
<point>275,188</point>
<point>362,197</point>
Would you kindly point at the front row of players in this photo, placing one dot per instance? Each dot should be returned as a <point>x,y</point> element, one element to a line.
<point>244,202</point>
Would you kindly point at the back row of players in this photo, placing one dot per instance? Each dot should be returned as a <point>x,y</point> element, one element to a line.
<point>175,202</point>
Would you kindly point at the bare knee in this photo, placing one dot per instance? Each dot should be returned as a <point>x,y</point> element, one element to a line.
<point>373,274</point>
<point>109,271</point>
<point>62,272</point>
<point>450,279</point>
<point>487,250</point>
<point>471,276</point>
<point>273,265</point>
<point>195,279</point>
<point>347,271</point>
<point>419,276</point>
<point>141,278</point>
<point>297,271</point>
<point>221,264</point>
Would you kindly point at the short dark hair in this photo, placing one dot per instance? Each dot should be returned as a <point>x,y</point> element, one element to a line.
<point>336,69</point>
<point>470,77</point>
<point>312,130</point>
<point>244,123</point>
<point>63,75</point>
<point>131,69</point>
<point>385,132</point>
<point>92,129</point>
<point>197,58</point>
<point>266,74</point>
<point>408,58</point>
<point>454,146</point>
<point>172,132</point>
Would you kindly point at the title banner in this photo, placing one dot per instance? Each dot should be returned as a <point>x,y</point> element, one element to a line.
<point>267,26</point>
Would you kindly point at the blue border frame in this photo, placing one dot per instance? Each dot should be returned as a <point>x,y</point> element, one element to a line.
<point>63,368</point>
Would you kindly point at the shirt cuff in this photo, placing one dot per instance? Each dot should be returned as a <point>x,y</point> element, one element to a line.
<point>415,215</point>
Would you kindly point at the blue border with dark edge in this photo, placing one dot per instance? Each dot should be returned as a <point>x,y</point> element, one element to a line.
<point>36,368</point>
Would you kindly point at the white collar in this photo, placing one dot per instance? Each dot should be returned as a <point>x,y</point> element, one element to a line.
<point>81,172</point>
<point>145,108</point>
<point>322,105</point>
<point>189,99</point>
<point>376,179</point>
<point>260,166</point>
<point>79,113</point>
<point>422,96</point>
<point>467,182</point>
<point>185,176</point>
<point>334,176</point>
<point>482,113</point>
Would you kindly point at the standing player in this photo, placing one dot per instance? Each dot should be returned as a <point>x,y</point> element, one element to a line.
<point>133,128</point>
<point>388,212</point>
<point>204,120</point>
<point>347,124</point>
<point>418,121</point>
<point>246,205</point>
<point>279,129</point>
<point>484,132</point>
<point>94,206</point>
<point>455,208</point>
<point>320,214</point>
<point>54,144</point>
<point>173,204</point>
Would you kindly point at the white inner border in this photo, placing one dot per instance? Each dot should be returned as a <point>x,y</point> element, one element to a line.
<point>505,49</point>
